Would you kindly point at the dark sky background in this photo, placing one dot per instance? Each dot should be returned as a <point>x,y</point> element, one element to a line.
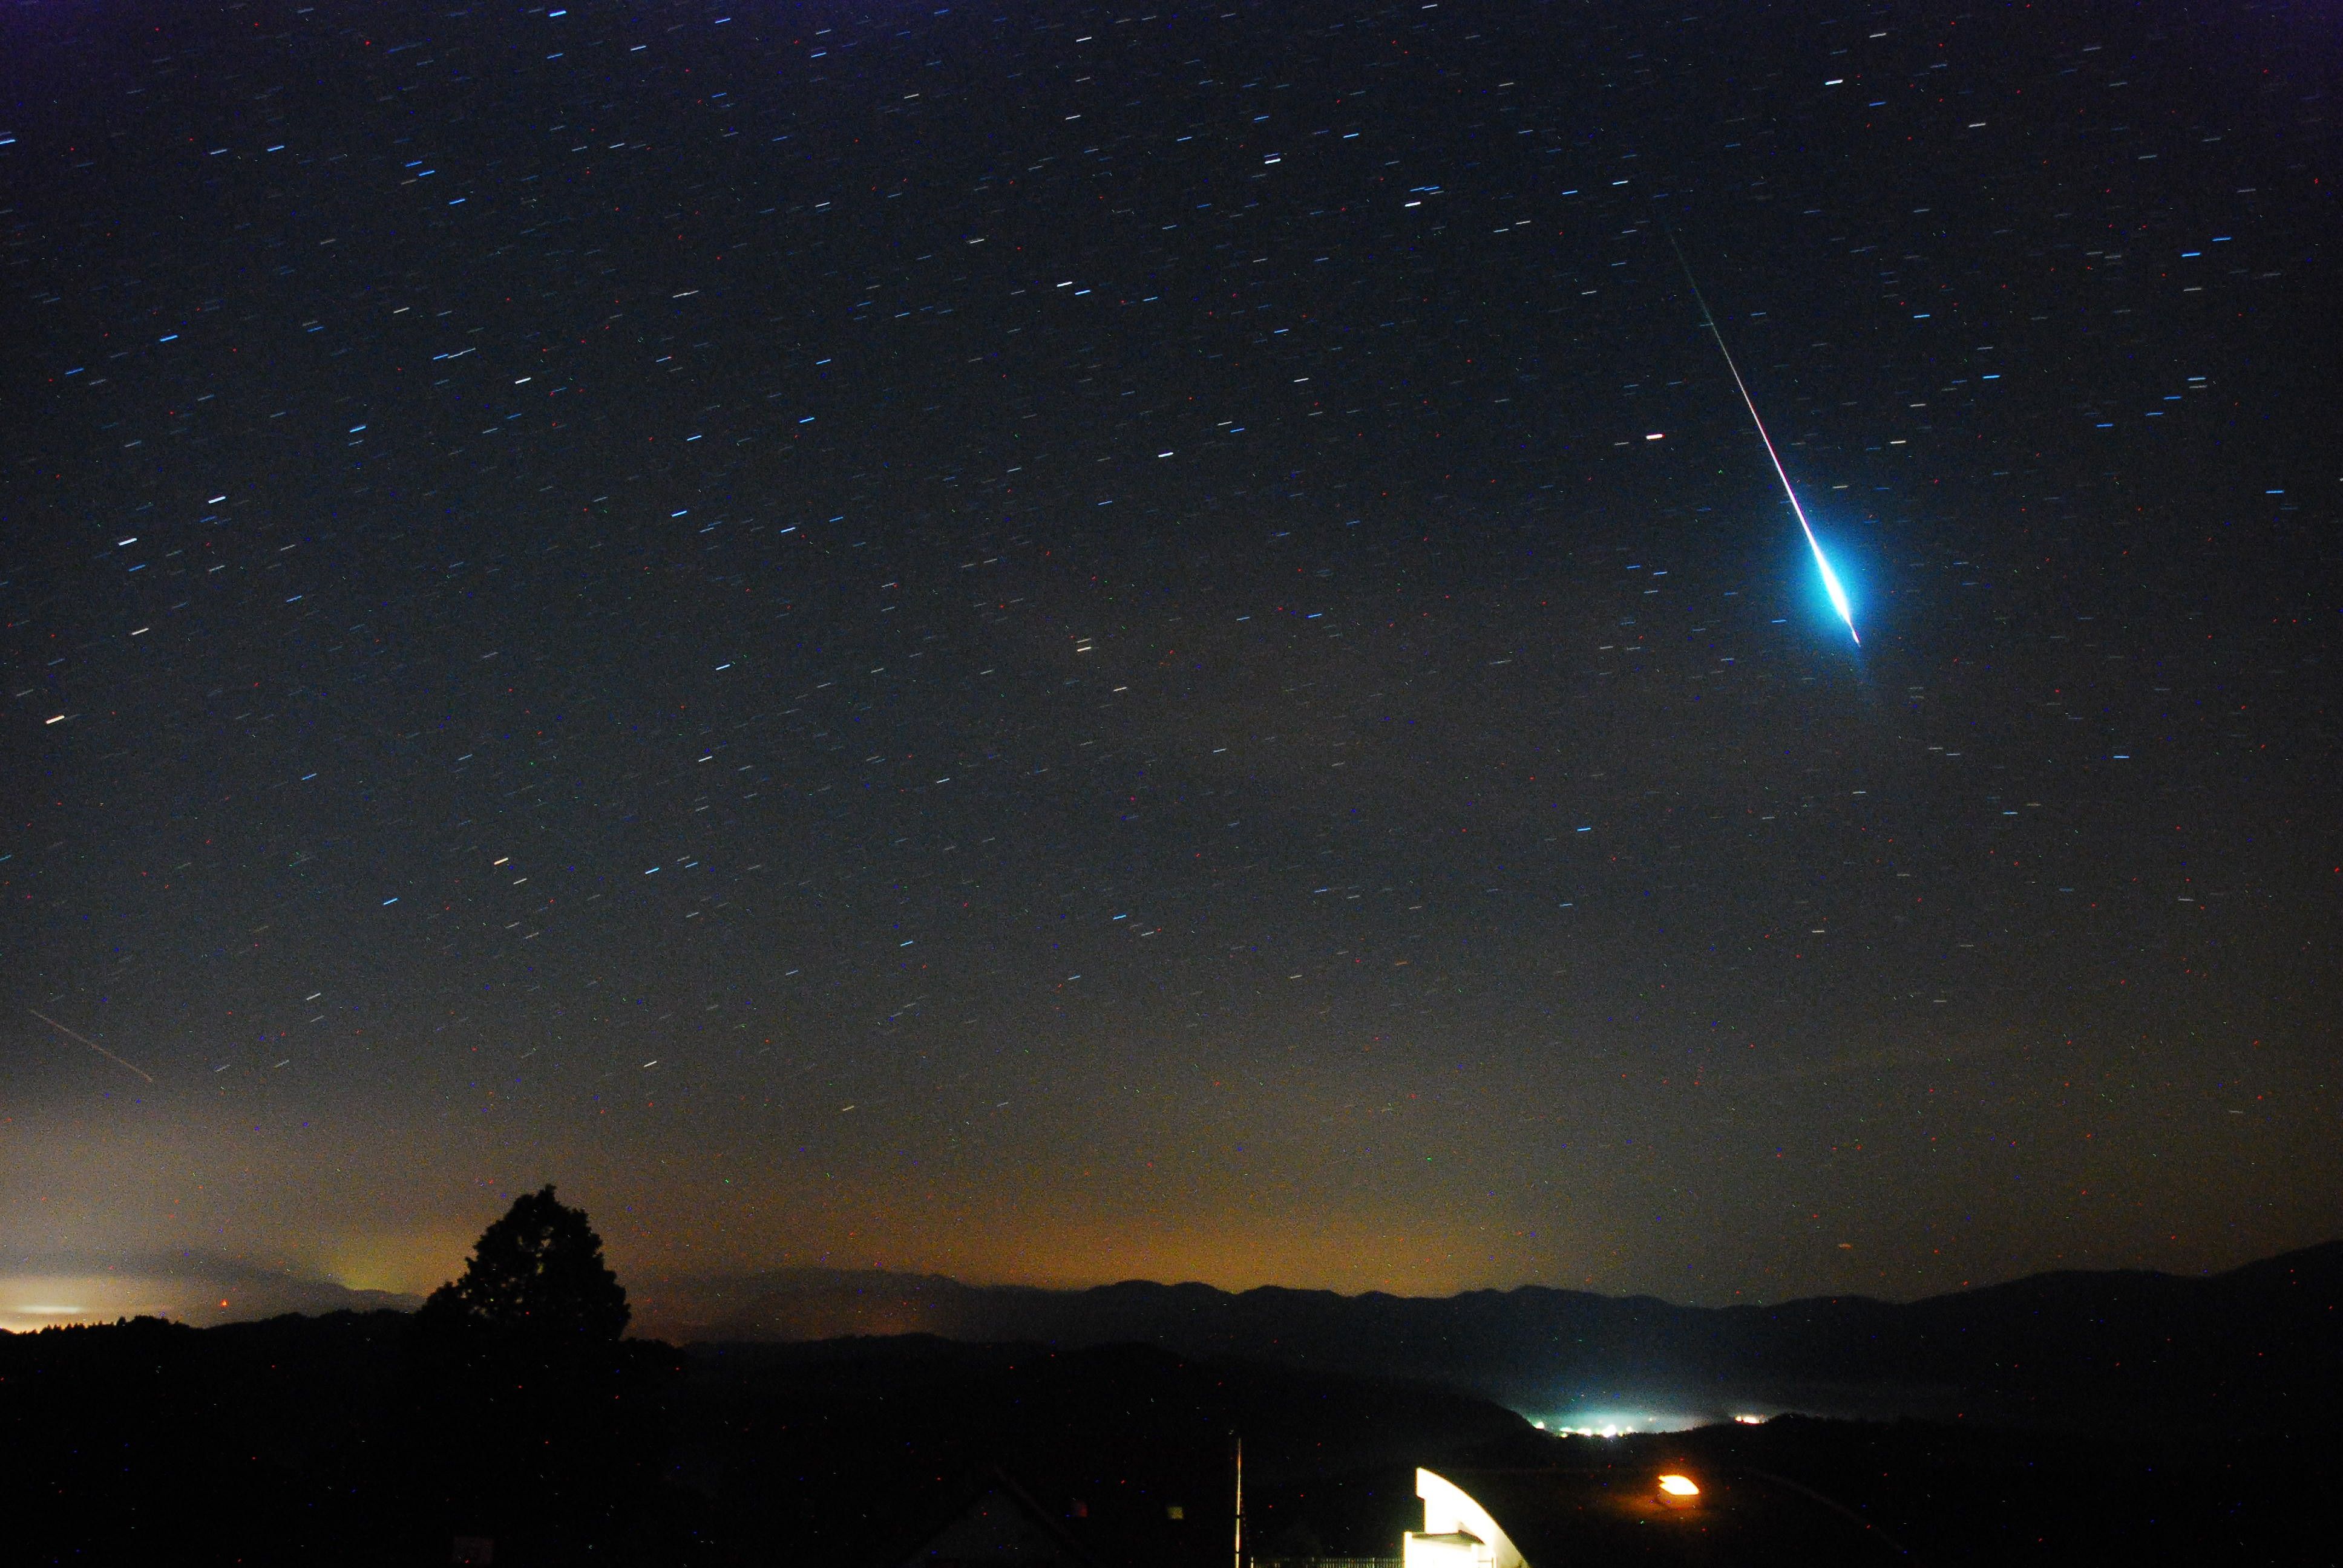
<point>1053,643</point>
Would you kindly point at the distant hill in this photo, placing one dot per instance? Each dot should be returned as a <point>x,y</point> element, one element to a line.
<point>2258,1348</point>
<point>188,1287</point>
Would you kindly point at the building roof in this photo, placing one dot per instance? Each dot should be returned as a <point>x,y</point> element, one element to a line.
<point>994,1518</point>
<point>1614,1514</point>
<point>990,1517</point>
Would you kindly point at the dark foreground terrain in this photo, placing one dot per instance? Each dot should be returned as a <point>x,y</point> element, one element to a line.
<point>336,1439</point>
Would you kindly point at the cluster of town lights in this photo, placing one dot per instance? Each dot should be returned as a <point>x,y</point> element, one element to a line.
<point>1629,1426</point>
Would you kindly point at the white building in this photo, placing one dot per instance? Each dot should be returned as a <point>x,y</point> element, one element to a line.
<point>1457,1533</point>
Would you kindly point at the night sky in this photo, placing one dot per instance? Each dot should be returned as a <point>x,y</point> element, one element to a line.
<point>1058,645</point>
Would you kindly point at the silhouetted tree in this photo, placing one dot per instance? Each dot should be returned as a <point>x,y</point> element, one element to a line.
<point>536,1276</point>
<point>533,1420</point>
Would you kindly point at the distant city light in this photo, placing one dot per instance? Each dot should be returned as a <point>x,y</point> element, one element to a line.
<point>1616,1423</point>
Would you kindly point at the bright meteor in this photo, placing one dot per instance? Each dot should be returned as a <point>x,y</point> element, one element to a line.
<point>1831,585</point>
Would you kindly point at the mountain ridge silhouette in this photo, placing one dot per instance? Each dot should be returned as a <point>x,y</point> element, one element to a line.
<point>2257,1347</point>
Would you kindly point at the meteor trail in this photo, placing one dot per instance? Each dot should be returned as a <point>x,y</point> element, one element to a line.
<point>101,1050</point>
<point>1830,578</point>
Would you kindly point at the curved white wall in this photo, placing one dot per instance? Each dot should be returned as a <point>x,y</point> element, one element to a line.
<point>1448,1510</point>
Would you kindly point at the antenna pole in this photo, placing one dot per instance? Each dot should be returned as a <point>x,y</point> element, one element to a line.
<point>1238,1561</point>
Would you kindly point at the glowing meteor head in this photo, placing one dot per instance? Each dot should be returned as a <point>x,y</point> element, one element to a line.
<point>1831,585</point>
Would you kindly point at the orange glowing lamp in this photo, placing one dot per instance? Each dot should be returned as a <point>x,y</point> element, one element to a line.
<point>1678,1490</point>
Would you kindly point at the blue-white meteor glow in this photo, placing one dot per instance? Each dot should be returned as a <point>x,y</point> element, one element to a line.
<point>1831,584</point>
